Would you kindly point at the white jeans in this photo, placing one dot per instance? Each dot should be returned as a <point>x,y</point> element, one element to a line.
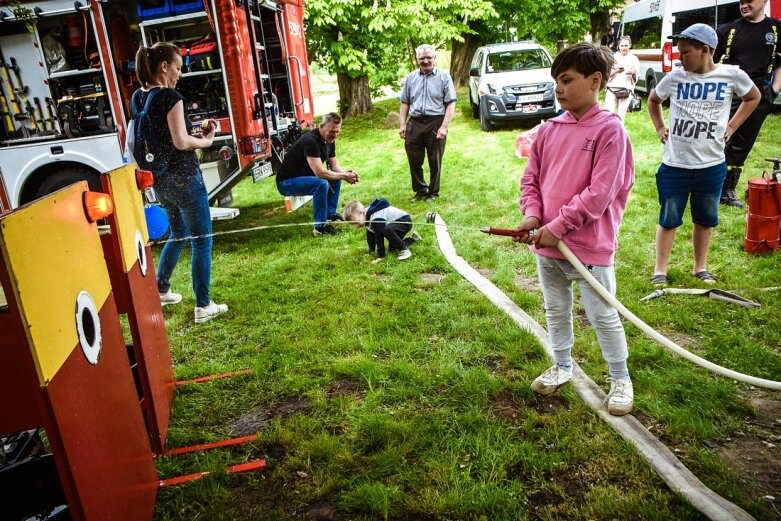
<point>619,106</point>
<point>556,277</point>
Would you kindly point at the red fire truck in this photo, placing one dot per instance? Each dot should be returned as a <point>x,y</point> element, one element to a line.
<point>67,71</point>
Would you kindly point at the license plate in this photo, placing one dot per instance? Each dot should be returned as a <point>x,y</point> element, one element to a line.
<point>529,98</point>
<point>261,171</point>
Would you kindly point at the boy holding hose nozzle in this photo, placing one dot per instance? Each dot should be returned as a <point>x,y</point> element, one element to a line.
<point>575,189</point>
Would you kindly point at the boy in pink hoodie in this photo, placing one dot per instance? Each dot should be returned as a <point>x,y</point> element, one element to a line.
<point>575,189</point>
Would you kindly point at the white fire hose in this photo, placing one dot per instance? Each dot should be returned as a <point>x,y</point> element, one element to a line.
<point>651,332</point>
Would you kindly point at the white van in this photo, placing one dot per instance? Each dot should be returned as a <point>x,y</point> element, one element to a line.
<point>650,22</point>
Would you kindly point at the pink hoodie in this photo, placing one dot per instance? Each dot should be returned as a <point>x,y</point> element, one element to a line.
<point>577,183</point>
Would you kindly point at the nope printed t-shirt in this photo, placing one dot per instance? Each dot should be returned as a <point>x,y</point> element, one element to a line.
<point>699,113</point>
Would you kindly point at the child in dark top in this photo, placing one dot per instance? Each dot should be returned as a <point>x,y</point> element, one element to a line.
<point>383,221</point>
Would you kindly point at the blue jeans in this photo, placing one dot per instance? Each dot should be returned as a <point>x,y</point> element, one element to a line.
<point>556,278</point>
<point>325,194</point>
<point>701,186</point>
<point>186,203</point>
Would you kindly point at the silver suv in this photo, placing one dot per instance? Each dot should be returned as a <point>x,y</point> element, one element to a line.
<point>511,82</point>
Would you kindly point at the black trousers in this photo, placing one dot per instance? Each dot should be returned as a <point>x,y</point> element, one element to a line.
<point>421,141</point>
<point>742,141</point>
<point>395,233</point>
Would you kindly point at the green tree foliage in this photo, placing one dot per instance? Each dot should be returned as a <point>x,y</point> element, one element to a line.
<point>547,21</point>
<point>370,43</point>
<point>375,39</point>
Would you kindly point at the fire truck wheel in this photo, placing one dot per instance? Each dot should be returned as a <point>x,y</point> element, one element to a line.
<point>63,178</point>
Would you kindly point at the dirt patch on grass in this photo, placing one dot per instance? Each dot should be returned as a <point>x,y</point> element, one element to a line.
<point>249,496</point>
<point>544,498</point>
<point>528,284</point>
<point>767,406</point>
<point>505,406</point>
<point>486,272</point>
<point>432,278</point>
<point>549,404</point>
<point>344,388</point>
<point>322,511</point>
<point>570,484</point>
<point>500,366</point>
<point>382,277</point>
<point>648,422</point>
<point>275,452</point>
<point>758,463</point>
<point>680,338</point>
<point>257,420</point>
<point>755,453</point>
<point>495,364</point>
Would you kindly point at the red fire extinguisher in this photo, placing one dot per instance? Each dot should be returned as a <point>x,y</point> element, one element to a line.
<point>75,32</point>
<point>763,216</point>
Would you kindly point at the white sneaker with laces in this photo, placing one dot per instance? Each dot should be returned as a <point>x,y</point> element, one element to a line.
<point>169,297</point>
<point>404,254</point>
<point>621,397</point>
<point>550,380</point>
<point>207,313</point>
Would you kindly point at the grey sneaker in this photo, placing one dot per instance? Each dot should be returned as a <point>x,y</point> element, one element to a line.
<point>169,297</point>
<point>621,397</point>
<point>550,380</point>
<point>207,313</point>
<point>404,254</point>
<point>415,236</point>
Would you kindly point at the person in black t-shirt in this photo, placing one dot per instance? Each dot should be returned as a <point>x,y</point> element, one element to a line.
<point>310,167</point>
<point>752,43</point>
<point>178,182</point>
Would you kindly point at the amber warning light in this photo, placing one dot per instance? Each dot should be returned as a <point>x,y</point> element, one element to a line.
<point>97,205</point>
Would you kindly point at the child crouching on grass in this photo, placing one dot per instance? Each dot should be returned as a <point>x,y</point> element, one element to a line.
<point>575,189</point>
<point>383,221</point>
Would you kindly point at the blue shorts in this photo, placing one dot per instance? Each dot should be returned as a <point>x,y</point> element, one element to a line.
<point>678,185</point>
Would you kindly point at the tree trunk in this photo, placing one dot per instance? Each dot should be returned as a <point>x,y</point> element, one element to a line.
<point>600,23</point>
<point>354,97</point>
<point>461,58</point>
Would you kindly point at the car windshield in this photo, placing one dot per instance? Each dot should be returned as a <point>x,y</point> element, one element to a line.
<point>520,60</point>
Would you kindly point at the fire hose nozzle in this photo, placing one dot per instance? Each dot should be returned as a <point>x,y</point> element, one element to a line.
<point>490,230</point>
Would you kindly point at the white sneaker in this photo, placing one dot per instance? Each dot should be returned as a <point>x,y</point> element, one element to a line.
<point>550,380</point>
<point>209,312</point>
<point>169,297</point>
<point>621,397</point>
<point>415,236</point>
<point>404,254</point>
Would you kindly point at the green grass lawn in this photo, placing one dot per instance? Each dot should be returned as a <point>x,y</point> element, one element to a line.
<point>397,391</point>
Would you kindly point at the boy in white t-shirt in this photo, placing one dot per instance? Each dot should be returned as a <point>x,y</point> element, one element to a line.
<point>693,167</point>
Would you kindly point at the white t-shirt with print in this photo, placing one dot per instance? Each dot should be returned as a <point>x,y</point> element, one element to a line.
<point>699,113</point>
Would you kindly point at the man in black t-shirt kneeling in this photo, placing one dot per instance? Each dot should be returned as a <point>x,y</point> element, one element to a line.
<point>310,167</point>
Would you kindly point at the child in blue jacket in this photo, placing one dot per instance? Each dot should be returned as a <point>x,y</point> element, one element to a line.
<point>383,221</point>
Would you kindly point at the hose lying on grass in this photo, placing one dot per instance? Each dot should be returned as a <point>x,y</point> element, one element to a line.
<point>670,469</point>
<point>651,332</point>
<point>645,328</point>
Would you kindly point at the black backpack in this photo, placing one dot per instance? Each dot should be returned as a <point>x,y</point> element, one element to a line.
<point>139,141</point>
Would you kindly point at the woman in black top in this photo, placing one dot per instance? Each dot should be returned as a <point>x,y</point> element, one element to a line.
<point>178,181</point>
